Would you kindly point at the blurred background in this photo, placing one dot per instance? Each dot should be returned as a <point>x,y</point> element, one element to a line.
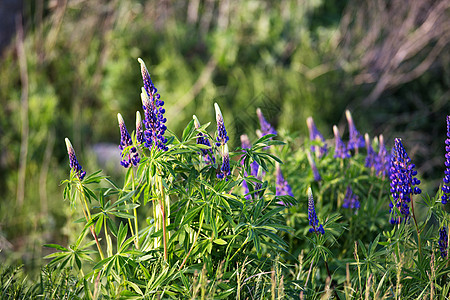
<point>68,67</point>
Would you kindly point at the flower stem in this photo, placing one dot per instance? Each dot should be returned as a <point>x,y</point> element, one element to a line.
<point>136,236</point>
<point>161,199</point>
<point>417,228</point>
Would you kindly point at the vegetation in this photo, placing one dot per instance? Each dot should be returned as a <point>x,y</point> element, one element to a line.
<point>169,226</point>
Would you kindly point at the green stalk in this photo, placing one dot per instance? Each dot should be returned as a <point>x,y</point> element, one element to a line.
<point>417,228</point>
<point>136,236</point>
<point>193,243</point>
<point>161,199</point>
<point>88,217</point>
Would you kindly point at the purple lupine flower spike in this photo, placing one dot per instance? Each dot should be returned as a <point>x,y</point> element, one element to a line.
<point>245,144</point>
<point>222,136</point>
<point>371,157</point>
<point>313,166</point>
<point>132,157</point>
<point>443,241</point>
<point>383,158</point>
<point>446,186</point>
<point>350,199</point>
<point>203,140</point>
<point>266,128</point>
<point>312,216</point>
<point>73,162</point>
<point>356,140</point>
<point>225,168</point>
<point>340,150</point>
<point>154,120</point>
<point>403,182</point>
<point>139,130</point>
<point>315,135</point>
<point>282,186</point>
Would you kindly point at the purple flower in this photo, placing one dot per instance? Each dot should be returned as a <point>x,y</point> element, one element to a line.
<point>340,150</point>
<point>282,186</point>
<point>139,129</point>
<point>356,140</point>
<point>312,163</point>
<point>73,162</point>
<point>266,128</point>
<point>382,159</point>
<point>443,241</point>
<point>350,199</point>
<point>371,157</point>
<point>222,136</point>
<point>202,139</point>
<point>225,168</point>
<point>153,112</point>
<point>403,180</point>
<point>315,135</point>
<point>446,185</point>
<point>312,216</point>
<point>132,157</point>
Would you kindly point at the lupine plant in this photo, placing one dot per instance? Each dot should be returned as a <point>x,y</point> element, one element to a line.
<point>197,218</point>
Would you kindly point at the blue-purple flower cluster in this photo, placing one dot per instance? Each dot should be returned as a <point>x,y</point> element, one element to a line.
<point>139,129</point>
<point>282,186</point>
<point>202,139</point>
<point>154,113</point>
<point>313,166</point>
<point>73,162</point>
<point>340,150</point>
<point>315,135</point>
<point>403,182</point>
<point>350,199</point>
<point>371,158</point>
<point>222,139</point>
<point>382,159</point>
<point>132,157</point>
<point>266,128</point>
<point>443,241</point>
<point>312,216</point>
<point>356,140</point>
<point>446,185</point>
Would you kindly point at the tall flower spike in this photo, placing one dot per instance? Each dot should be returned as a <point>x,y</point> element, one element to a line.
<point>371,157</point>
<point>443,241</point>
<point>139,130</point>
<point>73,162</point>
<point>225,168</point>
<point>313,166</point>
<point>383,158</point>
<point>312,216</point>
<point>202,139</point>
<point>282,186</point>
<point>266,128</point>
<point>222,136</point>
<point>245,144</point>
<point>315,135</point>
<point>340,150</point>
<point>132,157</point>
<point>350,199</point>
<point>446,185</point>
<point>356,140</point>
<point>154,120</point>
<point>403,182</point>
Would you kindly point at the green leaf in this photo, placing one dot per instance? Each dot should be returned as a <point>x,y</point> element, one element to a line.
<point>188,131</point>
<point>220,242</point>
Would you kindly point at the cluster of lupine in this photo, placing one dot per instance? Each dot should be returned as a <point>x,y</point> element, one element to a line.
<point>315,135</point>
<point>443,241</point>
<point>266,128</point>
<point>382,159</point>
<point>371,158</point>
<point>282,186</point>
<point>340,150</point>
<point>403,183</point>
<point>202,139</point>
<point>313,166</point>
<point>222,139</point>
<point>350,199</point>
<point>356,140</point>
<point>446,185</point>
<point>312,216</point>
<point>132,157</point>
<point>73,162</point>
<point>254,167</point>
<point>154,120</point>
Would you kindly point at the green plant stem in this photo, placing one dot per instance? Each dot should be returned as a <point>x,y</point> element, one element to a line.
<point>417,228</point>
<point>136,235</point>
<point>163,212</point>
<point>193,243</point>
<point>87,215</point>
